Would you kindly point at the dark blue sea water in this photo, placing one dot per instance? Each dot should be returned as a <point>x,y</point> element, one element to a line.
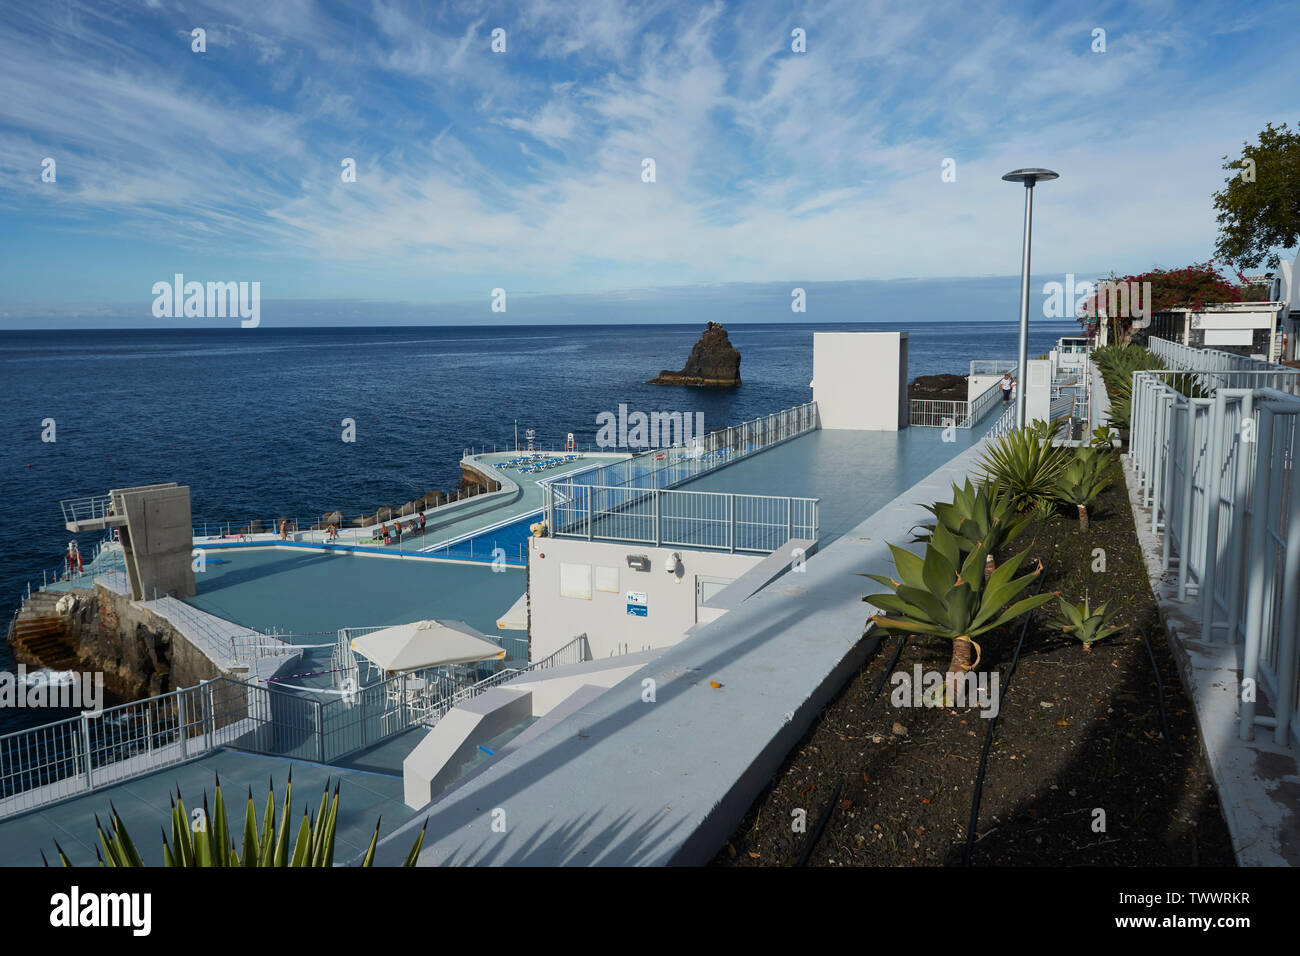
<point>251,419</point>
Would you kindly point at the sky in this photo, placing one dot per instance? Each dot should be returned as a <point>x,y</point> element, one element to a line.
<point>524,169</point>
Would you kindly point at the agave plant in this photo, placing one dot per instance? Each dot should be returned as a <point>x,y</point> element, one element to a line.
<point>978,514</point>
<point>1103,439</point>
<point>1087,623</point>
<point>202,840</point>
<point>945,595</point>
<point>1082,480</point>
<point>1026,468</point>
<point>1117,363</point>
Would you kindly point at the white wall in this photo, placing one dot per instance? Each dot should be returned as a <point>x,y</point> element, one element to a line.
<point>976,385</point>
<point>602,615</point>
<point>1038,393</point>
<point>860,380</point>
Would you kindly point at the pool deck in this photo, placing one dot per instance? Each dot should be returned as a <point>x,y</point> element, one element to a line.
<point>625,782</point>
<point>144,807</point>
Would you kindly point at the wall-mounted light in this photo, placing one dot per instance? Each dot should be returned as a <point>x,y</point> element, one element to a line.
<point>671,562</point>
<point>638,562</point>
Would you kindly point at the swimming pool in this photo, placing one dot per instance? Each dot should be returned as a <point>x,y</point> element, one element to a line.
<point>511,539</point>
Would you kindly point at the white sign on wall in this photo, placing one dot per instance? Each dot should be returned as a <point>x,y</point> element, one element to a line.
<point>636,604</point>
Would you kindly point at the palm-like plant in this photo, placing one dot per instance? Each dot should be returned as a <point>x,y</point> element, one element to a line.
<point>205,841</point>
<point>978,514</point>
<point>1085,622</point>
<point>1082,480</point>
<point>945,595</point>
<point>1026,468</point>
<point>1102,439</point>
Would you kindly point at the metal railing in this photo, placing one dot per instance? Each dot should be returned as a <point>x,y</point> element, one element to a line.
<point>667,518</point>
<point>1218,475</point>
<point>993,366</point>
<point>49,763</point>
<point>1215,369</point>
<point>63,759</point>
<point>91,508</point>
<point>948,413</point>
<point>669,467</point>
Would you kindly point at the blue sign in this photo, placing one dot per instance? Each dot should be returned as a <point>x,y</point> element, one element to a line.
<point>637,610</point>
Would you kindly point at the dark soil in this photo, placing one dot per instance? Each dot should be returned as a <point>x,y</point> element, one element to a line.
<point>1078,731</point>
<point>938,387</point>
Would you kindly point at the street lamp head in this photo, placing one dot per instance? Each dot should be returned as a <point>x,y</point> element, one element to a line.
<point>1030,176</point>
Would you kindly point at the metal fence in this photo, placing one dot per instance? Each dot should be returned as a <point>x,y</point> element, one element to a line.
<point>665,518</point>
<point>1217,470</point>
<point>62,759</point>
<point>1217,369</point>
<point>55,761</point>
<point>942,413</point>
<point>669,467</point>
<point>994,366</point>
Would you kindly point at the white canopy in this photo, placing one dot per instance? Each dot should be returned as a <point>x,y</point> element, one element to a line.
<point>515,619</point>
<point>407,647</point>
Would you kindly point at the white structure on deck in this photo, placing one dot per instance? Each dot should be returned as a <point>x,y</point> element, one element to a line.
<point>860,380</point>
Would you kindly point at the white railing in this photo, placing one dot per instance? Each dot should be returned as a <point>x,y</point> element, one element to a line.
<point>1217,471</point>
<point>666,518</point>
<point>949,413</point>
<point>1218,369</point>
<point>669,467</point>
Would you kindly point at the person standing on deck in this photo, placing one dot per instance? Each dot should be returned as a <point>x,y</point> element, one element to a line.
<point>1008,383</point>
<point>421,522</point>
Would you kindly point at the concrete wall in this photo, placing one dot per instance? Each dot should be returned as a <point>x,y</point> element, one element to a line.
<point>976,385</point>
<point>860,380</point>
<point>157,540</point>
<point>670,599</point>
<point>1038,391</point>
<point>436,760</point>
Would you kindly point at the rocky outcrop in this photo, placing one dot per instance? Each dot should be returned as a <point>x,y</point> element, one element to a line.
<point>938,387</point>
<point>713,362</point>
<point>139,653</point>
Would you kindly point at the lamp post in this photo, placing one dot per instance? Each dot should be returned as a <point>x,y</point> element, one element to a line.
<point>1029,177</point>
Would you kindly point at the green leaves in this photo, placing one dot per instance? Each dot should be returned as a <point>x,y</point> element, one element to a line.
<point>977,514</point>
<point>1026,468</point>
<point>1084,477</point>
<point>204,840</point>
<point>1086,623</point>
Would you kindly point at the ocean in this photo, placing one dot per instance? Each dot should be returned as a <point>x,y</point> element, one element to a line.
<point>252,419</point>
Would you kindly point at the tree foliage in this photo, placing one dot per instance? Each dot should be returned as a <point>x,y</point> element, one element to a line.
<point>1259,206</point>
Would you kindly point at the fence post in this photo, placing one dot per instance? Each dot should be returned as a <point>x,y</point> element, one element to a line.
<point>1215,442</point>
<point>658,533</point>
<point>320,733</point>
<point>1287,632</point>
<point>1256,569</point>
<point>731,523</point>
<point>210,721</point>
<point>85,746</point>
<point>182,720</point>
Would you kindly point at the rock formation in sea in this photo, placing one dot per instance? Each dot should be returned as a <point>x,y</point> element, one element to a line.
<point>714,361</point>
<point>938,387</point>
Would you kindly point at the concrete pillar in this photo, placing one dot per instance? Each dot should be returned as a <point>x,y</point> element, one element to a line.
<point>157,539</point>
<point>1038,390</point>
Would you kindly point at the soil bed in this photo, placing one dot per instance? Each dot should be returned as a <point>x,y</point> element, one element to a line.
<point>1078,731</point>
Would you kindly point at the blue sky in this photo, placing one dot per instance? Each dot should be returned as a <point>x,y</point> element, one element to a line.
<point>522,170</point>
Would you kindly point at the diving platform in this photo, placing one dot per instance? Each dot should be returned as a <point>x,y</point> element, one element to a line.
<point>154,527</point>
